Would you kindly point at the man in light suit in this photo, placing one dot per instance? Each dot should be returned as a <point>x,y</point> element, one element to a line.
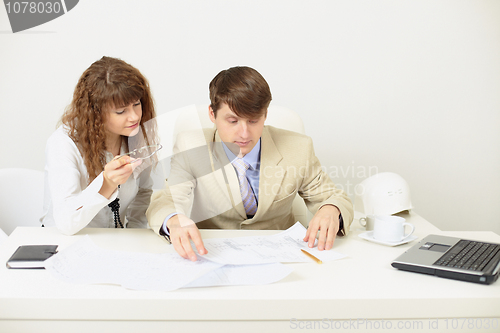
<point>244,175</point>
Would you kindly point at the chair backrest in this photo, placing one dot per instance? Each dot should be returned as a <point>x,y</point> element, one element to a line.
<point>196,117</point>
<point>3,236</point>
<point>21,198</point>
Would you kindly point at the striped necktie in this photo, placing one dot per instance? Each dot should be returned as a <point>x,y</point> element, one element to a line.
<point>247,196</point>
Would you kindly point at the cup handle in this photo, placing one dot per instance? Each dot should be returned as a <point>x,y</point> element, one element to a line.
<point>364,220</point>
<point>411,232</point>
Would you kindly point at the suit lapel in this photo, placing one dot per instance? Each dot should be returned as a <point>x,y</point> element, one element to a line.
<point>227,179</point>
<point>271,173</point>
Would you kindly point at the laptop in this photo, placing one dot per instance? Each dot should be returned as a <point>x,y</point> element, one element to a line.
<point>452,258</point>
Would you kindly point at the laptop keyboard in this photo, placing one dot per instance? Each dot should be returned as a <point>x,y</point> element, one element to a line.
<point>469,255</point>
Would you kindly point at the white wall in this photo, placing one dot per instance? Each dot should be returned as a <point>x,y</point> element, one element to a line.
<point>410,87</point>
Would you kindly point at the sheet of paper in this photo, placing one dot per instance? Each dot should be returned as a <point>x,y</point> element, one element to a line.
<point>242,275</point>
<point>282,247</point>
<point>84,262</point>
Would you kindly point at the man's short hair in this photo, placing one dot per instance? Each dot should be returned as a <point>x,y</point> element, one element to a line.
<point>243,89</point>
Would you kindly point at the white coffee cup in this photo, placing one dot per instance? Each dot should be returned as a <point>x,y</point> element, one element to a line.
<point>368,222</point>
<point>391,229</point>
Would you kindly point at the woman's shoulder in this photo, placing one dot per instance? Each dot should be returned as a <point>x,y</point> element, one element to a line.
<point>61,133</point>
<point>60,139</point>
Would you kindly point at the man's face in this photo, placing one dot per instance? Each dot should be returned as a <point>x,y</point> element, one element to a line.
<point>241,133</point>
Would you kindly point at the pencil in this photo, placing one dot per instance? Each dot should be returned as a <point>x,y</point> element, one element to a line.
<point>311,256</point>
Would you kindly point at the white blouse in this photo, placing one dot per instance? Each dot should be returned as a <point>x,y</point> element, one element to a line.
<point>72,204</point>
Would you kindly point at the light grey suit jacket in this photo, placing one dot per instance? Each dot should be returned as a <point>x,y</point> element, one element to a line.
<point>204,185</point>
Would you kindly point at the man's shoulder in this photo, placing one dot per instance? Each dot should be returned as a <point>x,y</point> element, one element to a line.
<point>194,138</point>
<point>209,134</point>
<point>285,137</point>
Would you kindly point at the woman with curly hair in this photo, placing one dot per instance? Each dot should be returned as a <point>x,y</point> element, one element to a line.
<point>87,184</point>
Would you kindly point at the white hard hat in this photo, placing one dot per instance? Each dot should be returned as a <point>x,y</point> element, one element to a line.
<point>385,193</point>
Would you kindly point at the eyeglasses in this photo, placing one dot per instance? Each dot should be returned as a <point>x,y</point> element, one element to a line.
<point>143,152</point>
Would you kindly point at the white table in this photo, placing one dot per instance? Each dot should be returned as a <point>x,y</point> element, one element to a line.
<point>352,293</point>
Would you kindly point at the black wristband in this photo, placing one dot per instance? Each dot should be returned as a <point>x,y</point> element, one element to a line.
<point>165,235</point>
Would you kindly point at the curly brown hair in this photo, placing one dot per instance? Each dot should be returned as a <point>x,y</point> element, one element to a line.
<point>106,83</point>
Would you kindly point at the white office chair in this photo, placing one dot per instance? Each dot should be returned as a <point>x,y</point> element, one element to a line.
<point>196,117</point>
<point>21,198</point>
<point>3,236</point>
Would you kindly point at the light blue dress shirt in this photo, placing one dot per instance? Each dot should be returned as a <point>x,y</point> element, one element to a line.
<point>253,172</point>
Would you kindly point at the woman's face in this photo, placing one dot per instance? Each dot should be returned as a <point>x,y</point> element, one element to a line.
<point>124,120</point>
